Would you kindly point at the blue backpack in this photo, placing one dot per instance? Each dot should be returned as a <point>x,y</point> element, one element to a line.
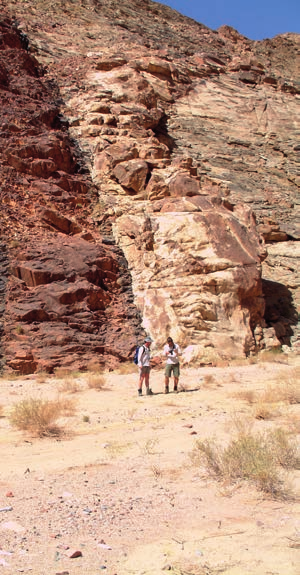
<point>136,354</point>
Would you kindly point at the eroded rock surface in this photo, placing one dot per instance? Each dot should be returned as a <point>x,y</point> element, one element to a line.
<point>176,128</point>
<point>65,306</point>
<point>196,274</point>
<point>62,301</point>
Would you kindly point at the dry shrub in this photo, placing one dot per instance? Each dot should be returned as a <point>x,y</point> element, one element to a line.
<point>292,394</point>
<point>95,367</point>
<point>209,381</point>
<point>157,471</point>
<point>69,385</point>
<point>41,377</point>
<point>19,329</point>
<point>285,449</point>
<point>96,381</point>
<point>39,416</point>
<point>149,447</point>
<point>68,406</point>
<point>288,392</point>
<point>247,395</point>
<point>272,355</point>
<point>63,372</point>
<point>11,376</point>
<point>256,458</point>
<point>127,367</point>
<point>293,424</point>
<point>291,385</point>
<point>263,411</point>
<point>193,569</point>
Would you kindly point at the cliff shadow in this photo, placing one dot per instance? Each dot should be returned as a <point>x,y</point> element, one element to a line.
<point>280,311</point>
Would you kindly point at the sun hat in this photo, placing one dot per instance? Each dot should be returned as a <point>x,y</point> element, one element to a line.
<point>148,339</point>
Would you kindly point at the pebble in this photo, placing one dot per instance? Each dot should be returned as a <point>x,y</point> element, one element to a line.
<point>104,546</point>
<point>74,553</point>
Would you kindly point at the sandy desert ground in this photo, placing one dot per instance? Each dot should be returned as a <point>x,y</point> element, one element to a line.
<point>121,491</point>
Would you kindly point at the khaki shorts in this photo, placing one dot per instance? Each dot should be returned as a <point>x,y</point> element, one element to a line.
<point>172,367</point>
<point>145,369</point>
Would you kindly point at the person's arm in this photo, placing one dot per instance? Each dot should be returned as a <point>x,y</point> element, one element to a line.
<point>140,356</point>
<point>177,350</point>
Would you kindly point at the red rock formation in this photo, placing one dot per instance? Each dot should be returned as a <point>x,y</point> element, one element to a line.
<point>64,303</point>
<point>156,109</point>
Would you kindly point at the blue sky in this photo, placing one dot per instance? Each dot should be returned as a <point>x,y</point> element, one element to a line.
<point>256,19</point>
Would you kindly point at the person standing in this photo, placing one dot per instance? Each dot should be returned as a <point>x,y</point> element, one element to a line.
<point>144,366</point>
<point>172,352</point>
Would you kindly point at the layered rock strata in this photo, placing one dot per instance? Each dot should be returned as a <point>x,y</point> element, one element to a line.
<point>179,127</point>
<point>63,302</point>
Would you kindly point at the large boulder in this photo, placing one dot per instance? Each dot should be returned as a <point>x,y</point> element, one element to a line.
<point>199,279</point>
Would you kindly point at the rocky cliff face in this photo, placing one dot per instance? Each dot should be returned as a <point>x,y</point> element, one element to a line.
<point>135,144</point>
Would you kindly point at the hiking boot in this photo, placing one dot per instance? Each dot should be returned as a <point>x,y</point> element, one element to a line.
<point>149,391</point>
<point>166,389</point>
<point>175,389</point>
<point>139,391</point>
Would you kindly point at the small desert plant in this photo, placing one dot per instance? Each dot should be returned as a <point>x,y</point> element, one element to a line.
<point>115,448</point>
<point>19,330</point>
<point>247,395</point>
<point>252,457</point>
<point>86,419</point>
<point>273,355</point>
<point>38,416</point>
<point>68,406</point>
<point>293,393</point>
<point>41,377</point>
<point>149,447</point>
<point>191,568</point>
<point>95,367</point>
<point>14,244</point>
<point>126,368</point>
<point>131,413</point>
<point>69,385</point>
<point>11,376</point>
<point>263,411</point>
<point>294,424</point>
<point>209,380</point>
<point>96,381</point>
<point>285,448</point>
<point>63,372</point>
<point>157,471</point>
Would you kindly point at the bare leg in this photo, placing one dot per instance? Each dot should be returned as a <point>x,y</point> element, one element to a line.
<point>142,377</point>
<point>176,379</point>
<point>167,384</point>
<point>147,376</point>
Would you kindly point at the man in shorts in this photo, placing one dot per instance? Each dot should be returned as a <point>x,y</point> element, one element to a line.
<point>144,366</point>
<point>172,352</point>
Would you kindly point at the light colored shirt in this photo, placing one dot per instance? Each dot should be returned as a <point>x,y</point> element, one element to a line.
<point>172,353</point>
<point>144,356</point>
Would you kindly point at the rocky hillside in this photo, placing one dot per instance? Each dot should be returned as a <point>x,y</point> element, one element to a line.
<point>147,162</point>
